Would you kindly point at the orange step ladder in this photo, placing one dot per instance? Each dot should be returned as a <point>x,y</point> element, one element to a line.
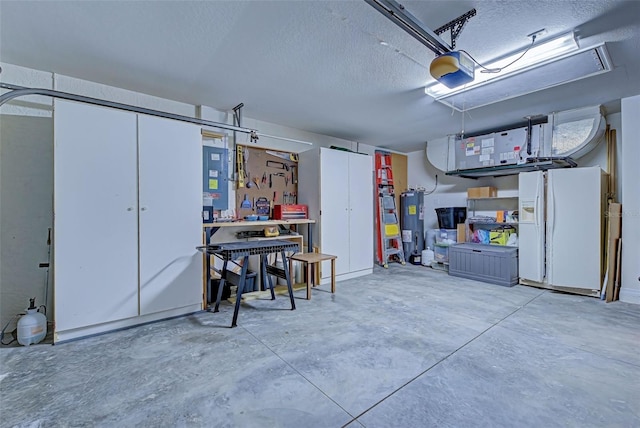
<point>389,241</point>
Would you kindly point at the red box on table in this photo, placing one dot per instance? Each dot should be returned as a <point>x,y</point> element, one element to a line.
<point>290,212</point>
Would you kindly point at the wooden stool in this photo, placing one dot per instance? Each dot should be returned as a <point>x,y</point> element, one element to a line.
<point>315,259</point>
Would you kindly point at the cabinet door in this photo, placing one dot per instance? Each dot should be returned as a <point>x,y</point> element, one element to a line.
<point>170,183</point>
<point>334,206</point>
<point>360,212</point>
<point>95,242</point>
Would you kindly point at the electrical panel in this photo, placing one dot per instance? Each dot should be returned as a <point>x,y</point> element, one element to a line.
<point>215,180</point>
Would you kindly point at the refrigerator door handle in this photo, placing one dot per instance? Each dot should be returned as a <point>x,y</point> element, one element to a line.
<point>551,207</point>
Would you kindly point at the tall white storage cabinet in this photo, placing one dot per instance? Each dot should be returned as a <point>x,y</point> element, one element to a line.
<point>127,219</point>
<point>338,188</point>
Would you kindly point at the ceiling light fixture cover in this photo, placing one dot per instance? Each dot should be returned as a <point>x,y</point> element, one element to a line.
<point>551,63</point>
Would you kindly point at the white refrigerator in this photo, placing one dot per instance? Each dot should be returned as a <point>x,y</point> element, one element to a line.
<point>561,233</point>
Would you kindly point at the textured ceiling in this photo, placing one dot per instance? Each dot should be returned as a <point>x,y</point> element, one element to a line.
<point>315,65</point>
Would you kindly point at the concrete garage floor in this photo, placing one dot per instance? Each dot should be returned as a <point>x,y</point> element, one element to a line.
<point>405,347</point>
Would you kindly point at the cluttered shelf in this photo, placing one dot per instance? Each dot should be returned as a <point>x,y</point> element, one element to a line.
<point>494,222</point>
<point>491,219</point>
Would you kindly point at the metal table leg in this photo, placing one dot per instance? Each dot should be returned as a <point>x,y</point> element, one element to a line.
<point>243,276</point>
<point>223,277</point>
<point>288,278</point>
<point>266,278</point>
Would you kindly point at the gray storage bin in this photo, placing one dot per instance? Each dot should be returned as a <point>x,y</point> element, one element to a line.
<point>250,283</point>
<point>493,264</point>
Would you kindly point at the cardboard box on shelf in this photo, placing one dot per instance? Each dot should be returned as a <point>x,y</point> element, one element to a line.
<point>500,236</point>
<point>482,192</point>
<point>462,232</point>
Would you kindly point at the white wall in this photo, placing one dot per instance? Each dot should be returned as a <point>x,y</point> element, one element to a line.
<point>26,171</point>
<point>26,195</point>
<point>630,180</point>
<point>598,156</point>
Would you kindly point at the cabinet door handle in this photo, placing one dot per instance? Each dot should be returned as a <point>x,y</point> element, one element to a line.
<point>130,209</point>
<point>143,209</point>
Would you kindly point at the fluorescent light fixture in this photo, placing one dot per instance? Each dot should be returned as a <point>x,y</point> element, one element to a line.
<point>546,52</point>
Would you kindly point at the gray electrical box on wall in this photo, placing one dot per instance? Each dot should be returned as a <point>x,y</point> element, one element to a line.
<point>215,180</point>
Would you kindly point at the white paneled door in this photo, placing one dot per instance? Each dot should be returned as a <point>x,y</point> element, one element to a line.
<point>360,209</point>
<point>95,242</point>
<point>170,181</point>
<point>334,203</point>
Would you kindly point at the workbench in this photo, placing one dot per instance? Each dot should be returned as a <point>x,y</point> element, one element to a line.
<point>211,228</point>
<point>231,251</point>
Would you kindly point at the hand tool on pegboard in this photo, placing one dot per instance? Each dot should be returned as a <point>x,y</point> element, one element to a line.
<point>240,166</point>
<point>246,203</point>
<point>278,165</point>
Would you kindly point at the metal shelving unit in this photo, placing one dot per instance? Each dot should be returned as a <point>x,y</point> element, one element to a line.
<point>476,206</point>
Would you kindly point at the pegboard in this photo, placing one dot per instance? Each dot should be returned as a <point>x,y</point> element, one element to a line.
<point>265,174</point>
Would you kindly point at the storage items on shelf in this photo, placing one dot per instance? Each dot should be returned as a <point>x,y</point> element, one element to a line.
<point>449,217</point>
<point>482,192</point>
<point>492,220</point>
<point>500,235</point>
<point>288,212</point>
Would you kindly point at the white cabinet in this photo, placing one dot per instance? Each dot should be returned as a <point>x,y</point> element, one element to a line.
<point>127,203</point>
<point>338,188</point>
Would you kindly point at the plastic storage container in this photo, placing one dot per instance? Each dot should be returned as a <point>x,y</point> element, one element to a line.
<point>447,236</point>
<point>441,252</point>
<point>449,217</point>
<point>32,327</point>
<point>493,264</point>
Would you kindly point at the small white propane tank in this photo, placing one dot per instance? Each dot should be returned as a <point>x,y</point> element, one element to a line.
<point>427,257</point>
<point>32,327</point>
